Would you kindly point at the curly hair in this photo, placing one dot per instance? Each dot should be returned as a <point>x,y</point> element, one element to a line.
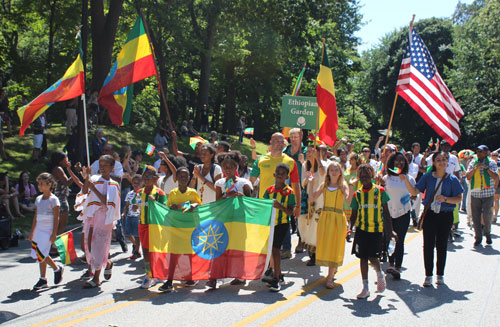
<point>390,163</point>
<point>366,168</point>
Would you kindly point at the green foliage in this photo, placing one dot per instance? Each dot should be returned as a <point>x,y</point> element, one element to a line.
<point>146,105</point>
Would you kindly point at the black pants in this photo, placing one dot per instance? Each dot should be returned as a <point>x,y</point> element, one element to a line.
<point>400,226</point>
<point>436,231</point>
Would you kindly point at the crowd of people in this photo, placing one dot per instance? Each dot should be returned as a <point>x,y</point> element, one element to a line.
<point>328,196</point>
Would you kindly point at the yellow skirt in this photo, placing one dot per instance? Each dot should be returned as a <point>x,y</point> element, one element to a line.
<point>331,233</point>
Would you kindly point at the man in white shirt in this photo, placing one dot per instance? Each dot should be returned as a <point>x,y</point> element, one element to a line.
<point>453,164</point>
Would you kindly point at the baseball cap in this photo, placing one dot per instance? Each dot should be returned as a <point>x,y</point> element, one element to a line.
<point>483,148</point>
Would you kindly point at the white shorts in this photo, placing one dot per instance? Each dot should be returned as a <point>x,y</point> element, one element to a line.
<point>37,141</point>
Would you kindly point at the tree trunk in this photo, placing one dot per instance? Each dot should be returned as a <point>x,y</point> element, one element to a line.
<point>103,38</point>
<point>230,118</point>
<point>52,7</point>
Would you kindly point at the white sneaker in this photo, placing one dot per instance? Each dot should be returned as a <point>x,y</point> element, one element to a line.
<point>148,282</point>
<point>364,294</point>
<point>427,281</point>
<point>381,284</point>
<point>440,280</point>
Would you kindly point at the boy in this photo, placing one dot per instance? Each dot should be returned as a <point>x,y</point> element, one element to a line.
<point>150,192</point>
<point>367,205</point>
<point>176,198</point>
<point>284,201</point>
<point>131,217</point>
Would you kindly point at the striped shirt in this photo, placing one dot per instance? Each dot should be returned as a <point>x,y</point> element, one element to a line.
<point>286,197</point>
<point>369,204</point>
<point>142,200</point>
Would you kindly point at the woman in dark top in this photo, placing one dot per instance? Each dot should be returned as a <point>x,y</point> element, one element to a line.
<point>59,161</point>
<point>439,217</point>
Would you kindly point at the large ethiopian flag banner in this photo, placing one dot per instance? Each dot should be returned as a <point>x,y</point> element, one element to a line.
<point>227,238</point>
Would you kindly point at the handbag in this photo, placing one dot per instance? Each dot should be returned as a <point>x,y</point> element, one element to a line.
<point>426,208</point>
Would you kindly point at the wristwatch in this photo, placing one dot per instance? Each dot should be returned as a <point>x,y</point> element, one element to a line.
<point>445,199</point>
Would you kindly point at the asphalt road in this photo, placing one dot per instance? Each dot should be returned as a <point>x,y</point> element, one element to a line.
<point>471,296</point>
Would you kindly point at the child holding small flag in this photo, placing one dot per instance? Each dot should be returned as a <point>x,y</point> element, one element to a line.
<point>131,217</point>
<point>44,229</point>
<point>150,192</point>
<point>181,198</point>
<point>367,205</point>
<point>284,201</point>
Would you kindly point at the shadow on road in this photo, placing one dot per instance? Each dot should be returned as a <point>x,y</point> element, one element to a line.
<point>367,308</point>
<point>420,299</point>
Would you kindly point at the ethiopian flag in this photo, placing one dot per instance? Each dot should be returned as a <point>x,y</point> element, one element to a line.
<point>135,62</point>
<point>70,86</point>
<point>226,238</point>
<point>66,248</point>
<point>325,94</point>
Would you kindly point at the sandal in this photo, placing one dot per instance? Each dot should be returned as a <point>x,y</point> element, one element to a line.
<point>396,274</point>
<point>390,270</point>
<point>90,284</point>
<point>108,272</point>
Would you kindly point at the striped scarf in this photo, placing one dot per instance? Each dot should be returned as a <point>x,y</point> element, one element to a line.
<point>481,178</point>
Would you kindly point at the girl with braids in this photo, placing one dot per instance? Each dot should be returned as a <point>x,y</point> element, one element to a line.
<point>332,224</point>
<point>44,229</point>
<point>367,205</point>
<point>206,174</point>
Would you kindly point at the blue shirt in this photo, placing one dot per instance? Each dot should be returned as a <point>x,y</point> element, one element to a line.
<point>450,188</point>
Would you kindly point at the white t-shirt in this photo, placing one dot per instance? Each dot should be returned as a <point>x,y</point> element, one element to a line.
<point>117,171</point>
<point>157,166</point>
<point>416,159</point>
<point>45,206</point>
<point>239,184</point>
<point>128,198</point>
<point>413,170</point>
<point>168,184</point>
<point>399,204</point>
<point>453,164</point>
<point>207,195</point>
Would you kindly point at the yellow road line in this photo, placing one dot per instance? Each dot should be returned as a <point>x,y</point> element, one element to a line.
<point>290,311</point>
<point>290,297</point>
<point>285,314</point>
<point>108,310</point>
<point>49,321</point>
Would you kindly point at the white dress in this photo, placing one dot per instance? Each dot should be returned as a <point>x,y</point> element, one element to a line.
<point>308,226</point>
<point>207,195</point>
<point>44,226</point>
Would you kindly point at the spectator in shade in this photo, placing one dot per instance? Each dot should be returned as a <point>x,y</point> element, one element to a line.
<point>26,192</point>
<point>98,144</point>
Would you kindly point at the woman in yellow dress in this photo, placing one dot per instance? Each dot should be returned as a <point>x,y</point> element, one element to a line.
<point>332,225</point>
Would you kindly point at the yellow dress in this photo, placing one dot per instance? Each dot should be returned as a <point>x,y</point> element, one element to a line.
<point>332,228</point>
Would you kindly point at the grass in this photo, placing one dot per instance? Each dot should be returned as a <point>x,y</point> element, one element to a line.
<point>20,149</point>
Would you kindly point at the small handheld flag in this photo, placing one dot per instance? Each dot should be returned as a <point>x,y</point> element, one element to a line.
<point>395,170</point>
<point>66,248</point>
<point>196,139</point>
<point>230,186</point>
<point>150,149</point>
<point>430,143</point>
<point>402,150</point>
<point>380,169</point>
<point>186,206</point>
<point>437,141</point>
<point>248,131</point>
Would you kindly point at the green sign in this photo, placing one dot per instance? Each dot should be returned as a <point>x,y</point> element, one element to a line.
<point>299,112</point>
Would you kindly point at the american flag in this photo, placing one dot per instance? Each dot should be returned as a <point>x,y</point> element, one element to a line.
<point>420,84</point>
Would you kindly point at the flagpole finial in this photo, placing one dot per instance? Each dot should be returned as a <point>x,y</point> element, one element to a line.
<point>411,22</point>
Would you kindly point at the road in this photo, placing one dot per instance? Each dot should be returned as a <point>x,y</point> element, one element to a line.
<point>471,296</point>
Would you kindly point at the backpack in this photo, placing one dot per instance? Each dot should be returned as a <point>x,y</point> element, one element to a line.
<point>212,171</point>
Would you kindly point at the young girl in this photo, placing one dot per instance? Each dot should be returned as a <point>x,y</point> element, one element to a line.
<point>206,174</point>
<point>44,229</point>
<point>58,161</point>
<point>367,205</point>
<point>149,192</point>
<point>230,187</point>
<point>100,206</point>
<point>332,224</point>
<point>399,207</point>
<point>131,218</point>
<point>176,198</point>
<point>168,181</point>
<point>27,192</point>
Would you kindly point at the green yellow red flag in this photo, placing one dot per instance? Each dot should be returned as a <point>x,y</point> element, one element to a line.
<point>226,238</point>
<point>66,248</point>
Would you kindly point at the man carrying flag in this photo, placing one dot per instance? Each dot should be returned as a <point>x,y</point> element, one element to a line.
<point>135,62</point>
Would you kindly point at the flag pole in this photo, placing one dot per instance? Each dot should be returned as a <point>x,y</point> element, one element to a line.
<point>86,129</point>
<point>158,79</point>
<point>395,99</point>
